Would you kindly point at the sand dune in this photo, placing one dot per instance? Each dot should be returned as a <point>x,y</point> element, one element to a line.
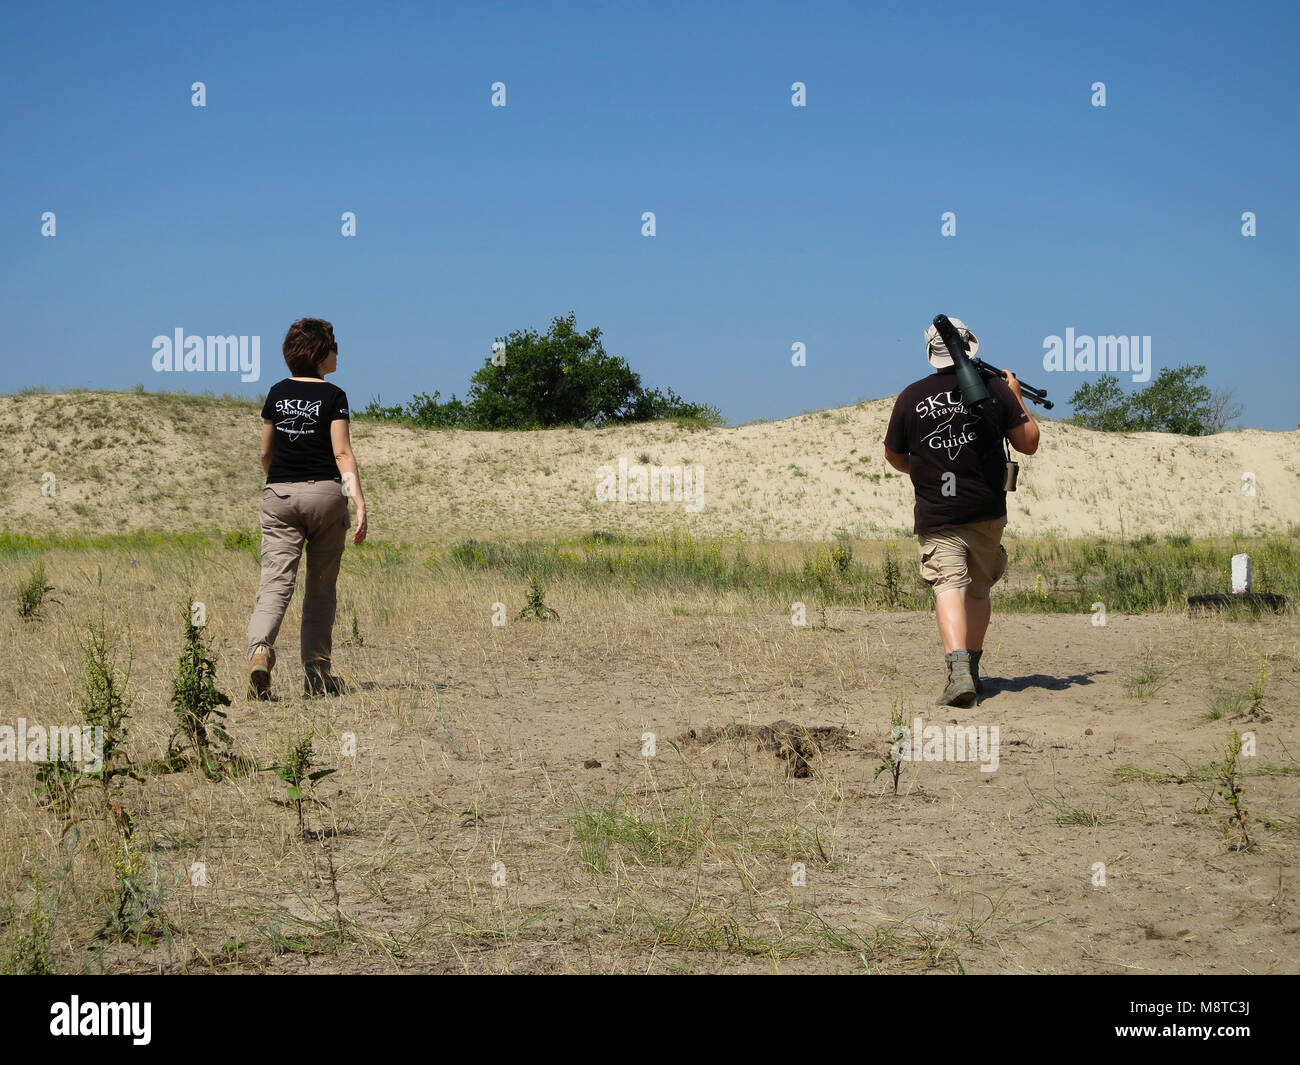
<point>126,461</point>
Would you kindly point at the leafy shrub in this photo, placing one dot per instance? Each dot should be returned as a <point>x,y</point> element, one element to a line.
<point>562,377</point>
<point>32,594</point>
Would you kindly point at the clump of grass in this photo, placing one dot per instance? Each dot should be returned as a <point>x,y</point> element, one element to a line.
<point>600,536</point>
<point>785,934</point>
<point>1208,772</point>
<point>197,702</point>
<point>1226,704</point>
<point>1129,773</point>
<point>473,554</point>
<point>1238,704</point>
<point>665,837</point>
<point>315,938</point>
<point>594,828</point>
<point>1148,680</point>
<point>33,593</point>
<point>1067,813</point>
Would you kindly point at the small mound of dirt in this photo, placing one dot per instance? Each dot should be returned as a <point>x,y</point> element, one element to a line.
<point>797,745</point>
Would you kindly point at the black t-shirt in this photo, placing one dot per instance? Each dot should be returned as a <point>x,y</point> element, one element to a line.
<point>302,412</point>
<point>957,463</point>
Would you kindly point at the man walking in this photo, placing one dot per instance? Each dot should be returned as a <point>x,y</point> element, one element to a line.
<point>955,459</point>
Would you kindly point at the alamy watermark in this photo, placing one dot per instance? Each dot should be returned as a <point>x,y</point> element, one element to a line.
<point>55,743</point>
<point>1131,354</point>
<point>78,1018</point>
<point>195,354</point>
<point>946,743</point>
<point>642,483</point>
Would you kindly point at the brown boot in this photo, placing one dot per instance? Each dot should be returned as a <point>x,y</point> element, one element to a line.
<point>960,690</point>
<point>320,681</point>
<point>259,673</point>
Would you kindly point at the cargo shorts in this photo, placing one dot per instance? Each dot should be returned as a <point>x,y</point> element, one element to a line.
<point>964,556</point>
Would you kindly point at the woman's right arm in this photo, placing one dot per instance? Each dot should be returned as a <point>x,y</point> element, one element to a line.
<point>268,441</point>
<point>347,463</point>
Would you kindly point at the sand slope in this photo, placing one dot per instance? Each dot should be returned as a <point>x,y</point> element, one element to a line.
<point>126,461</point>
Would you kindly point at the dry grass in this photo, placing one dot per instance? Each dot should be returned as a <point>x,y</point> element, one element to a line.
<point>471,747</point>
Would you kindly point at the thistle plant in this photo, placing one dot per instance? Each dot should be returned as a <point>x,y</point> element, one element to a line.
<point>536,606</point>
<point>1230,790</point>
<point>197,701</point>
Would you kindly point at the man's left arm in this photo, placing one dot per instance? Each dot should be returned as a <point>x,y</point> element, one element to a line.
<point>1022,434</point>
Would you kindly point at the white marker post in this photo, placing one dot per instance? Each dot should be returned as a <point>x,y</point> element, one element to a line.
<point>1240,574</point>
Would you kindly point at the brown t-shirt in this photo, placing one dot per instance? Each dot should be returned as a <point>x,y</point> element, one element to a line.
<point>957,461</point>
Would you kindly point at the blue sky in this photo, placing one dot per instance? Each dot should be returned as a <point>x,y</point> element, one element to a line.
<point>775,224</point>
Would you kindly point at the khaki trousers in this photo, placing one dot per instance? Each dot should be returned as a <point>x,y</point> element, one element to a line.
<point>314,513</point>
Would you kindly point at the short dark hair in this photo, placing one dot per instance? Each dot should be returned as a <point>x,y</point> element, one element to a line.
<point>308,344</point>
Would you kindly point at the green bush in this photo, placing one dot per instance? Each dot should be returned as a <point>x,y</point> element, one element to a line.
<point>242,540</point>
<point>562,377</point>
<point>33,593</point>
<point>1175,402</point>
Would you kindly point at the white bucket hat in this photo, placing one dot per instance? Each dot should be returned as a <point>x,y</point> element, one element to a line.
<point>937,352</point>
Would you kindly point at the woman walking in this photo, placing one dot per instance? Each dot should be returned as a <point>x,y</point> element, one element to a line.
<point>310,472</point>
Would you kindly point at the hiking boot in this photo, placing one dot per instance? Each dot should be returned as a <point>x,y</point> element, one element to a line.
<point>259,673</point>
<point>961,685</point>
<point>320,681</point>
<point>975,672</point>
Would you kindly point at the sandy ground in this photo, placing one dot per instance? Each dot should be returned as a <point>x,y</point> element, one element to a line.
<point>125,461</point>
<point>474,747</point>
